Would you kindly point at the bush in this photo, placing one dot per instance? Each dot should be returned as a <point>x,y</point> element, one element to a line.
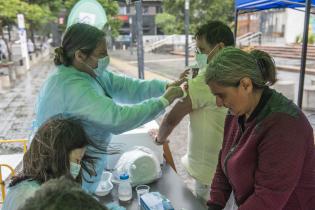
<point>311,39</point>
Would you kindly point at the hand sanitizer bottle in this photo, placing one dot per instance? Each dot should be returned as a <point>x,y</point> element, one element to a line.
<point>124,188</point>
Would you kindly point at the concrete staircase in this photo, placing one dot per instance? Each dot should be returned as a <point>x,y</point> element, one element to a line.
<point>288,51</point>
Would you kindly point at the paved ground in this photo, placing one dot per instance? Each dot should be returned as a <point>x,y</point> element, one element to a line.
<point>17,104</point>
<point>167,65</point>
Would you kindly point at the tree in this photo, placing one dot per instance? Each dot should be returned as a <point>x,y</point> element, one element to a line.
<point>33,14</point>
<point>167,22</point>
<point>200,12</point>
<point>8,9</point>
<point>36,17</point>
<point>111,8</point>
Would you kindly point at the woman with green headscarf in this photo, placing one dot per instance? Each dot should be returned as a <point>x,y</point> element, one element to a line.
<point>267,160</point>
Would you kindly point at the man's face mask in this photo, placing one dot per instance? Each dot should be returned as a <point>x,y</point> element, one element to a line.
<point>202,58</point>
<point>75,169</point>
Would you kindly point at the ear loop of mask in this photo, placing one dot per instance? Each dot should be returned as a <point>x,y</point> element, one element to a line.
<point>211,52</point>
<point>87,65</point>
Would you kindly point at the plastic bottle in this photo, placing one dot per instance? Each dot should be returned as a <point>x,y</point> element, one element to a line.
<point>124,188</point>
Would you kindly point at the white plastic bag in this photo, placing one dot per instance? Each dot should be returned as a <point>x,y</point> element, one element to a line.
<point>141,164</point>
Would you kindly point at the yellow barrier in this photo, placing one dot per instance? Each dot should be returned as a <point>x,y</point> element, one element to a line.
<point>24,141</point>
<point>2,184</point>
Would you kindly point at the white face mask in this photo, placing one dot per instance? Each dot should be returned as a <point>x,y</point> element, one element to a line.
<point>202,58</point>
<point>102,64</point>
<point>75,169</point>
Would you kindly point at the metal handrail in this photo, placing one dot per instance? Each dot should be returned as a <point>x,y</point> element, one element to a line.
<point>245,35</point>
<point>158,43</point>
<point>249,38</point>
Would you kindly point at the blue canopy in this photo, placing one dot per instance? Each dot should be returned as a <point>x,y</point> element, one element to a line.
<point>269,4</point>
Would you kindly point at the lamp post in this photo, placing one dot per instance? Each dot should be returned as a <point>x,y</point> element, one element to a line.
<point>140,53</point>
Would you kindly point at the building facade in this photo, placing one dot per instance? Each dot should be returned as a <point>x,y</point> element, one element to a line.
<point>281,26</point>
<point>127,14</point>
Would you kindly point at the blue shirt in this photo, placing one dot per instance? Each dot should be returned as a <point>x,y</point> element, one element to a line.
<point>19,193</point>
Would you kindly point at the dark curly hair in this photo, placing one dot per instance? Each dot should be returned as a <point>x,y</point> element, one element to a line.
<point>48,154</point>
<point>63,194</point>
<point>79,36</point>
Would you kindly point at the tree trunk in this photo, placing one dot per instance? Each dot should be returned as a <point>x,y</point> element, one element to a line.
<point>32,34</point>
<point>1,30</point>
<point>9,32</point>
<point>5,41</point>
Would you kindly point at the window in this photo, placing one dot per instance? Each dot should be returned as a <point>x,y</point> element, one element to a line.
<point>122,10</point>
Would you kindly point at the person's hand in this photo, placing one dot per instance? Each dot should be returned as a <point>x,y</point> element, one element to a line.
<point>176,83</point>
<point>183,77</point>
<point>184,86</point>
<point>184,74</point>
<point>154,134</point>
<point>172,93</point>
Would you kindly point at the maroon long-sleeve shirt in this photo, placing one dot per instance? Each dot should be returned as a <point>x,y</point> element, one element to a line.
<point>268,160</point>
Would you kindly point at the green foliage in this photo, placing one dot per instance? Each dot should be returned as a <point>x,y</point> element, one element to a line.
<point>39,12</point>
<point>38,15</point>
<point>9,8</point>
<point>167,22</point>
<point>298,39</point>
<point>33,12</point>
<point>311,39</point>
<point>200,12</point>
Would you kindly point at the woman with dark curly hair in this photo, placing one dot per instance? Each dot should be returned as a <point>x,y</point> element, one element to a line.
<point>57,149</point>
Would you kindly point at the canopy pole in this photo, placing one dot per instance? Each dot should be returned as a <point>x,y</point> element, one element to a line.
<point>140,52</point>
<point>304,52</point>
<point>235,24</point>
<point>186,32</point>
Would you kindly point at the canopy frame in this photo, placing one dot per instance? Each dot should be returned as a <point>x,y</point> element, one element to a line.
<point>288,3</point>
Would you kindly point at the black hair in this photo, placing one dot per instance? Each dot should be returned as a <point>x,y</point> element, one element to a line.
<point>215,32</point>
<point>48,154</point>
<point>79,36</point>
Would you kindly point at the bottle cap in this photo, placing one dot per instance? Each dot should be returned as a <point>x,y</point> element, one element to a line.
<point>124,177</point>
